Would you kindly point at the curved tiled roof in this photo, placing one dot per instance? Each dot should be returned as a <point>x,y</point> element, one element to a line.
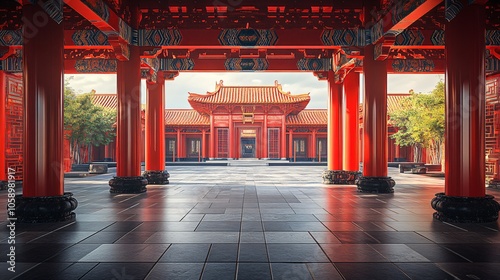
<point>248,95</point>
<point>185,117</point>
<point>309,117</point>
<point>106,100</point>
<point>394,101</point>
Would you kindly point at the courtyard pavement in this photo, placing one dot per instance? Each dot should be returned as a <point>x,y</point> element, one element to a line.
<point>265,222</point>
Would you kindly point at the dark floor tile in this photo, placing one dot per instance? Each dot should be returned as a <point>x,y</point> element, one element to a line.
<point>454,237</point>
<point>352,253</point>
<point>342,226</point>
<point>325,237</point>
<point>186,253</point>
<point>424,271</point>
<point>398,237</point>
<point>18,269</point>
<point>119,271</point>
<point>219,226</point>
<point>133,253</point>
<point>251,226</point>
<point>219,271</point>
<point>123,226</point>
<point>166,226</point>
<point>287,271</point>
<point>436,253</point>
<point>74,253</point>
<point>254,271</point>
<point>104,237</point>
<point>253,252</point>
<point>223,252</point>
<point>296,253</point>
<point>86,226</point>
<point>324,271</point>
<point>176,271</point>
<point>277,226</point>
<point>355,237</point>
<point>36,252</point>
<point>134,237</point>
<point>64,237</point>
<point>397,253</point>
<point>43,271</point>
<point>477,252</point>
<point>372,271</point>
<point>489,270</point>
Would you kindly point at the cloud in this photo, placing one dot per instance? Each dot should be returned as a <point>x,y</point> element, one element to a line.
<point>176,91</point>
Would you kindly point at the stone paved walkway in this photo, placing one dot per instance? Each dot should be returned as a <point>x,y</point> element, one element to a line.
<point>253,223</point>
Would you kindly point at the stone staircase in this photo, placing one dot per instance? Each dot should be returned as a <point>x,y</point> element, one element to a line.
<point>248,162</point>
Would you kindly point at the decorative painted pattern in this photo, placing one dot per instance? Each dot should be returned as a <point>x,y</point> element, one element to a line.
<point>413,65</point>
<point>11,37</point>
<point>14,122</point>
<point>377,50</point>
<point>492,125</point>
<point>346,37</point>
<point>89,38</point>
<point>403,8</point>
<point>125,31</point>
<point>99,7</point>
<point>167,64</point>
<point>314,64</point>
<point>54,8</point>
<point>377,31</point>
<point>492,65</point>
<point>95,65</point>
<point>452,8</point>
<point>493,37</point>
<point>437,37</point>
<point>12,64</point>
<point>409,38</point>
<point>162,37</point>
<point>246,64</point>
<point>248,37</point>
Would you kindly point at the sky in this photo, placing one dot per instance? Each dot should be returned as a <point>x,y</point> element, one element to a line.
<point>176,91</point>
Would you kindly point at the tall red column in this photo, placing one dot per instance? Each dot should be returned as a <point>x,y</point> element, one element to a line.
<point>3,138</point>
<point>334,173</point>
<point>212,138</point>
<point>351,122</point>
<point>43,198</point>
<point>128,131</point>
<point>465,199</point>
<point>374,178</point>
<point>155,171</point>
<point>283,137</point>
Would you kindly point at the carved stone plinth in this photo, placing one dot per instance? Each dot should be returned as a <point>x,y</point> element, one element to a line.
<point>494,184</point>
<point>376,184</point>
<point>457,209</point>
<point>340,177</point>
<point>44,209</point>
<point>156,177</point>
<point>135,184</point>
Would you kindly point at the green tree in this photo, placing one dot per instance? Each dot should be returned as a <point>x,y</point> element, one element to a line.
<point>420,121</point>
<point>86,125</point>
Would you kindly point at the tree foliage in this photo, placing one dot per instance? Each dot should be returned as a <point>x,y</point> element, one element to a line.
<point>421,123</point>
<point>85,124</point>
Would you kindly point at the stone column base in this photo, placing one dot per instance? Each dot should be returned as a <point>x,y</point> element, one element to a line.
<point>340,177</point>
<point>376,184</point>
<point>457,209</point>
<point>44,209</point>
<point>156,177</point>
<point>135,184</point>
<point>494,184</point>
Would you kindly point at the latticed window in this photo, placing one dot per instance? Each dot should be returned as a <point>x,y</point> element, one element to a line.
<point>222,142</point>
<point>273,142</point>
<point>193,147</point>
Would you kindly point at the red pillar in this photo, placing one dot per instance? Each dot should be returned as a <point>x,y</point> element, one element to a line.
<point>291,148</point>
<point>203,144</point>
<point>265,144</point>
<point>155,133</point>
<point>212,138</point>
<point>128,131</point>
<point>334,174</point>
<point>283,137</point>
<point>231,140</point>
<point>374,177</point>
<point>313,144</point>
<point>351,122</point>
<point>465,199</point>
<point>43,198</point>
<point>3,127</point>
